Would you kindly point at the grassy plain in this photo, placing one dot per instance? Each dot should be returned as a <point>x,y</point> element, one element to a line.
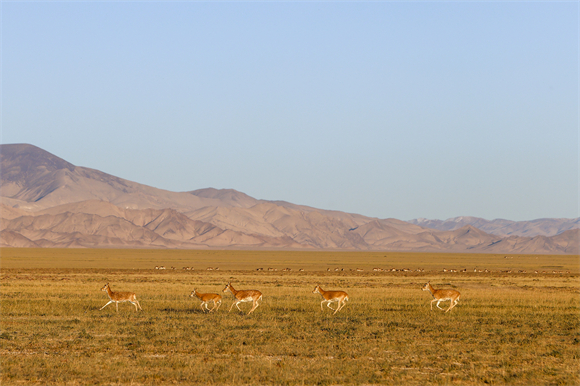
<point>507,328</point>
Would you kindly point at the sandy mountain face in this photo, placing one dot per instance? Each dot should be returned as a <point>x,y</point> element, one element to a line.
<point>48,202</point>
<point>35,179</point>
<point>499,227</point>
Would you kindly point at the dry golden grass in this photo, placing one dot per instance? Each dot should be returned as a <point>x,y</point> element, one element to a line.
<point>250,260</point>
<point>506,329</point>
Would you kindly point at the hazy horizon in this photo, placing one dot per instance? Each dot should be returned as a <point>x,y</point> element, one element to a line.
<point>387,109</point>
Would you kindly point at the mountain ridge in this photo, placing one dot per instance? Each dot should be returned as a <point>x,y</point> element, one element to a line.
<point>49,202</point>
<point>502,227</point>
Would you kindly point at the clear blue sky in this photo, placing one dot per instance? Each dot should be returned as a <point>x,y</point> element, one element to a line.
<point>387,109</point>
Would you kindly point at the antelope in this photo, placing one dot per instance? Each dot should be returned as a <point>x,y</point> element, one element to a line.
<point>244,296</point>
<point>441,295</point>
<point>331,296</point>
<point>206,298</point>
<point>118,297</point>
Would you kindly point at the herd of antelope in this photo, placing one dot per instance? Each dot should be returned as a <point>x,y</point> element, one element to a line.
<point>255,296</point>
<point>378,269</point>
<point>162,267</point>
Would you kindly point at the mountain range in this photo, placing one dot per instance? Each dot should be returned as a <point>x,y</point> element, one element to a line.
<point>49,202</point>
<point>501,227</point>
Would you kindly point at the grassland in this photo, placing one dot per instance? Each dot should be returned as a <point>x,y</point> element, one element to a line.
<point>507,328</point>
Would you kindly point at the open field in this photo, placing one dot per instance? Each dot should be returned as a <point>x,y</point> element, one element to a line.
<point>249,260</point>
<point>507,328</point>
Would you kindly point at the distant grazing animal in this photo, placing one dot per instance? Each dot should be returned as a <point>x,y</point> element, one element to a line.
<point>244,296</point>
<point>441,295</point>
<point>331,296</point>
<point>118,297</point>
<point>206,298</point>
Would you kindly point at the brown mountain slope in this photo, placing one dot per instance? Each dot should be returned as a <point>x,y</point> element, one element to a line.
<point>98,207</point>
<point>468,236</point>
<point>228,197</point>
<point>110,226</point>
<point>15,240</point>
<point>309,229</point>
<point>67,226</point>
<point>7,212</point>
<point>48,202</point>
<point>501,227</point>
<point>566,242</point>
<point>378,233</point>
<point>34,176</point>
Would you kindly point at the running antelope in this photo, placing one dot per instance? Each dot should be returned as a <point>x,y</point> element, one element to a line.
<point>441,295</point>
<point>207,298</point>
<point>118,297</point>
<point>331,296</point>
<point>244,296</point>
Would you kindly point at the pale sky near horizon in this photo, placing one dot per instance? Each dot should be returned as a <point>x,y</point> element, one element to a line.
<point>387,109</point>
